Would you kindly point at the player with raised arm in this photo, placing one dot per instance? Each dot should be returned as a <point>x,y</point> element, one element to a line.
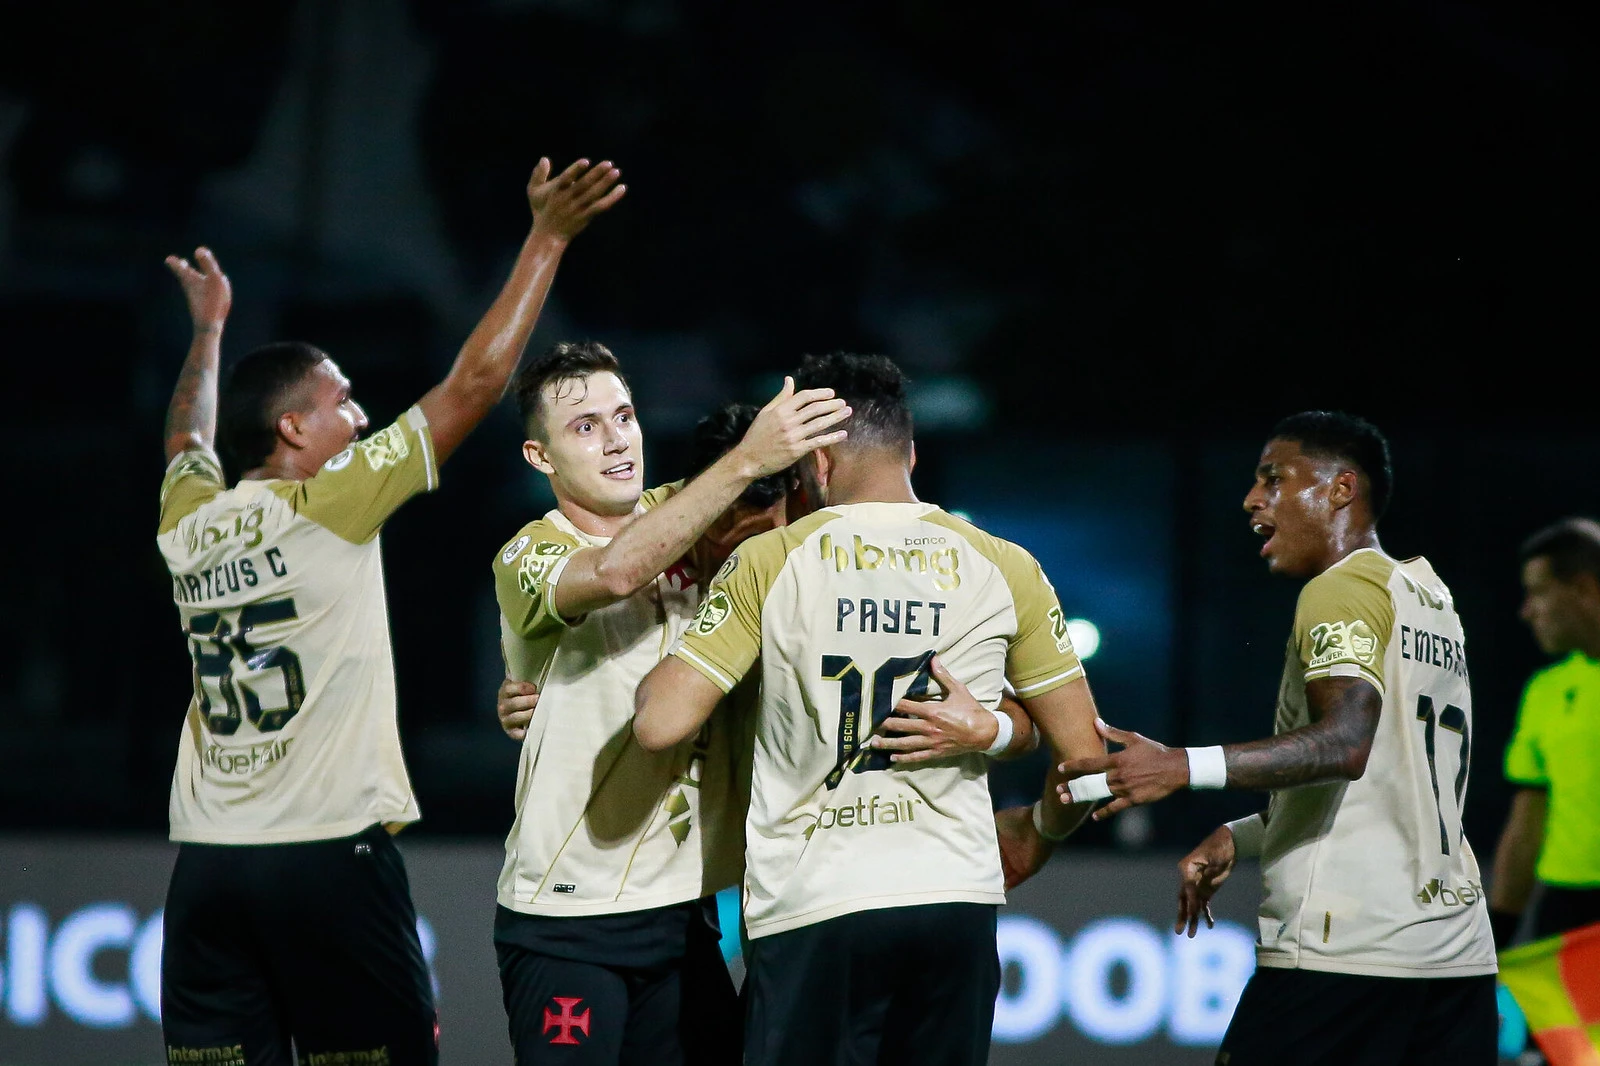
<point>289,929</point>
<point>605,918</point>
<point>871,886</point>
<point>1375,943</point>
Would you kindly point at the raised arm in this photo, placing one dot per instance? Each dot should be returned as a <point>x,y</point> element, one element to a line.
<point>192,413</point>
<point>562,207</point>
<point>1334,746</point>
<point>791,425</point>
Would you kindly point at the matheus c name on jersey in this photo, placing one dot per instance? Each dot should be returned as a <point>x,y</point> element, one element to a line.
<point>200,585</point>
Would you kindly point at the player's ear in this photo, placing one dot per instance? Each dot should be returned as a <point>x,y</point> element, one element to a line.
<point>822,459</point>
<point>912,465</point>
<point>1342,493</point>
<point>534,452</point>
<point>290,431</point>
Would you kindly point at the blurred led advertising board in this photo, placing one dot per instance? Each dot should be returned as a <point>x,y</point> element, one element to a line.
<point>1092,970</point>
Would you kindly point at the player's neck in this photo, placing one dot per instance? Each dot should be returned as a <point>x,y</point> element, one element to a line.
<point>878,483</point>
<point>280,466</point>
<point>591,522</point>
<point>1347,542</point>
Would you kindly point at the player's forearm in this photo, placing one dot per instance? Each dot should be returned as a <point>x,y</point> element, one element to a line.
<point>1516,856</point>
<point>671,704</point>
<point>1024,737</point>
<point>1065,719</point>
<point>487,360</point>
<point>192,412</point>
<point>1317,753</point>
<point>652,542</point>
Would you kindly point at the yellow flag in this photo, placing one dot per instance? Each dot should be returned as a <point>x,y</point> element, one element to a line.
<point>1556,982</point>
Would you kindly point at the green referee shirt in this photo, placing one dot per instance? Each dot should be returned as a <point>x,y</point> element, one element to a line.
<point>1556,746</point>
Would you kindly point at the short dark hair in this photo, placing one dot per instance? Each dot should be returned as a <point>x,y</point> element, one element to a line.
<point>259,389</point>
<point>1336,435</point>
<point>716,434</point>
<point>566,361</point>
<point>1572,545</point>
<point>873,386</point>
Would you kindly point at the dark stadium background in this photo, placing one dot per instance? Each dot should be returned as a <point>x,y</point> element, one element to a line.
<point>1111,243</point>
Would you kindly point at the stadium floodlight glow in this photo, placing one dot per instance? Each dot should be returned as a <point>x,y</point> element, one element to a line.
<point>1085,637</point>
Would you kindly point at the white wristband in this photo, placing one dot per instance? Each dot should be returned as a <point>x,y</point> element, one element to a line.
<point>1249,835</point>
<point>1038,824</point>
<point>1088,789</point>
<point>1207,767</point>
<point>1005,729</point>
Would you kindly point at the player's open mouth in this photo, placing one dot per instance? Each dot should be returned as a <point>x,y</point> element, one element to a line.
<point>620,472</point>
<point>1262,529</point>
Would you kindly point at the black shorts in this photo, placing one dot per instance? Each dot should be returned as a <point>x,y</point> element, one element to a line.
<point>899,985</point>
<point>314,944</point>
<point>1310,1018</point>
<point>678,1011</point>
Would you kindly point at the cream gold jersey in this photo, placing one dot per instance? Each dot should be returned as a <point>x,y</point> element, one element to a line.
<point>1375,876</point>
<point>845,608</point>
<point>291,733</point>
<point>603,826</point>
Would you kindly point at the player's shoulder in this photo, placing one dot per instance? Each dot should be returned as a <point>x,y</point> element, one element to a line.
<point>541,539</point>
<point>1549,685</point>
<point>1364,574</point>
<point>1015,561</point>
<point>659,495</point>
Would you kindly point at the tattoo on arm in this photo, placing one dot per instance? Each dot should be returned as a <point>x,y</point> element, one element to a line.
<point>1334,747</point>
<point>192,412</point>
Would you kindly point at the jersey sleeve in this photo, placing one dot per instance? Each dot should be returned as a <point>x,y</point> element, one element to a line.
<point>1342,624</point>
<point>525,576</point>
<point>659,495</point>
<point>1524,755</point>
<point>193,477</point>
<point>724,640</point>
<point>357,490</point>
<point>1041,656</point>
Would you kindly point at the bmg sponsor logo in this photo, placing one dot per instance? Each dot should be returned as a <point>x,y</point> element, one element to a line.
<point>1120,980</point>
<point>100,965</point>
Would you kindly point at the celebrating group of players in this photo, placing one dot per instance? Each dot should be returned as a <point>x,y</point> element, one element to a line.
<point>785,673</point>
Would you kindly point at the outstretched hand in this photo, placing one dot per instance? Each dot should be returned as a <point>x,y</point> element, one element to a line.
<point>565,204</point>
<point>936,728</point>
<point>207,289</point>
<point>1142,772</point>
<point>791,425</point>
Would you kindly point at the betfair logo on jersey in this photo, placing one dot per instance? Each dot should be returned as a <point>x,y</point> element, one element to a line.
<point>867,812</point>
<point>538,563</point>
<point>1436,891</point>
<point>714,610</point>
<point>1333,642</point>
<point>385,448</point>
<point>913,558</point>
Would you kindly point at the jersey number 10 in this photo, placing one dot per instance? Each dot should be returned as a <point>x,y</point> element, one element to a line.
<point>217,663</point>
<point>857,721</point>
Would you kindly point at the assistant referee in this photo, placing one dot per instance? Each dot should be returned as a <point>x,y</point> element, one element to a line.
<point>1553,832</point>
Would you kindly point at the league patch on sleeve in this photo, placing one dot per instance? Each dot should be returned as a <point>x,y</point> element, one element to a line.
<point>514,549</point>
<point>714,610</point>
<point>1333,642</point>
<point>340,461</point>
<point>536,565</point>
<point>726,570</point>
<point>385,448</point>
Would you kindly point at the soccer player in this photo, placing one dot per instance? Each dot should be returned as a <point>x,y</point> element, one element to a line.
<point>606,929</point>
<point>1553,831</point>
<point>1374,942</point>
<point>289,924</point>
<point>870,887</point>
